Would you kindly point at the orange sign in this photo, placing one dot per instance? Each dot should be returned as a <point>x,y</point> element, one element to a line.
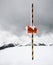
<point>31,29</point>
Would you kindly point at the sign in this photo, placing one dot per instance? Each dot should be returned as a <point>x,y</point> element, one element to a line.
<point>31,29</point>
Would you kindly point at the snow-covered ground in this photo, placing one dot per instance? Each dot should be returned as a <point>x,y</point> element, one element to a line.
<point>22,56</point>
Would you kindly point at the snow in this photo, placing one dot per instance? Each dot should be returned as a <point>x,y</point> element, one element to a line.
<point>8,37</point>
<point>22,56</point>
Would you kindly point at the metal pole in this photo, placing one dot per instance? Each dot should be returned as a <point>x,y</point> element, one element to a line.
<point>32,48</point>
<point>32,15</point>
<point>32,35</point>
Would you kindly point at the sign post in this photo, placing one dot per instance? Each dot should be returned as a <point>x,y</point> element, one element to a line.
<point>32,30</point>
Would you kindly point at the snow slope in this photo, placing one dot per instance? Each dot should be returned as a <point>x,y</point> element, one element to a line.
<point>22,56</point>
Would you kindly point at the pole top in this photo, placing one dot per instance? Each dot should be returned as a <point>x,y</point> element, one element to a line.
<point>32,1</point>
